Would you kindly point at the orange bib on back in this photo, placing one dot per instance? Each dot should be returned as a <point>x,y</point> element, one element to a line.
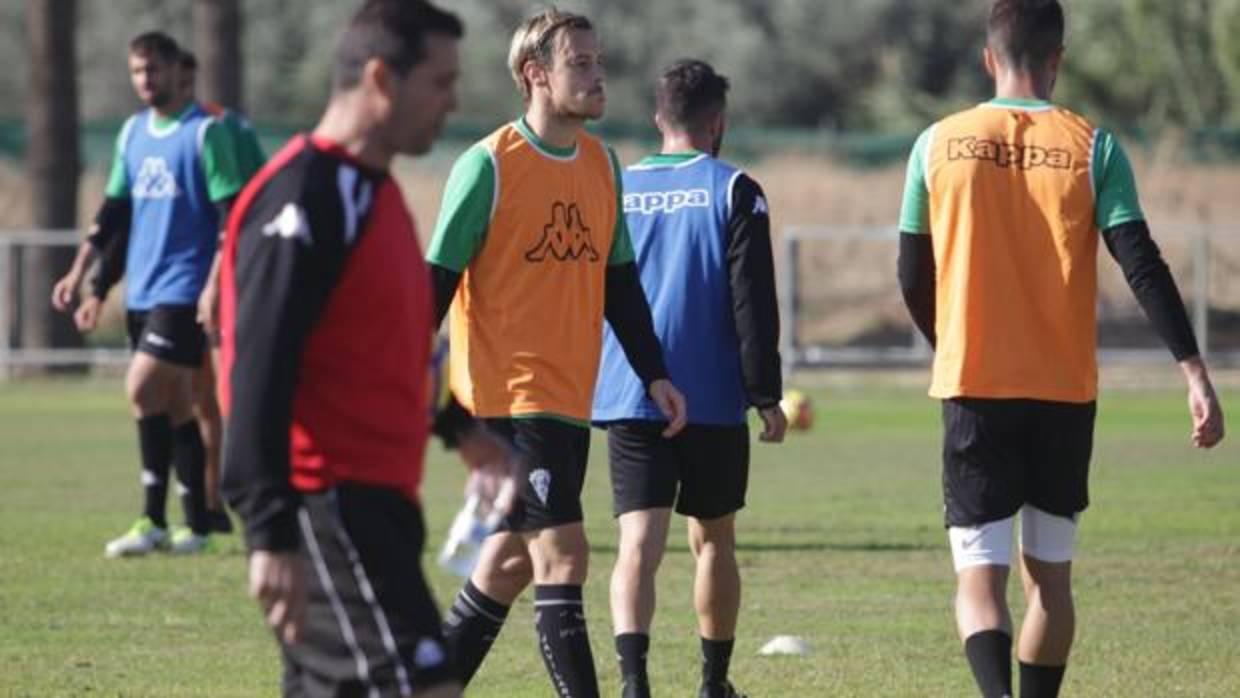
<point>527,321</point>
<point>1015,245</point>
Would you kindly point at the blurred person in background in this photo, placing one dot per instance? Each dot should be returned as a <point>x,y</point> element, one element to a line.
<point>173,179</point>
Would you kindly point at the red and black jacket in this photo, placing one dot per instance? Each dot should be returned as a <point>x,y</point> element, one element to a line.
<point>326,328</point>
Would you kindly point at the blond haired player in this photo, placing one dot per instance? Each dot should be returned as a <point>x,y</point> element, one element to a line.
<point>532,252</point>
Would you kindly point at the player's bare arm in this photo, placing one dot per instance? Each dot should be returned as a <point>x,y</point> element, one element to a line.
<point>1203,404</point>
<point>65,290</point>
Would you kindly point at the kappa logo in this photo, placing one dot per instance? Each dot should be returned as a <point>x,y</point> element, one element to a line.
<point>428,654</point>
<point>668,202</point>
<point>565,238</point>
<point>290,224</point>
<point>1026,157</point>
<point>158,340</point>
<point>760,207</point>
<point>540,479</point>
<point>154,180</point>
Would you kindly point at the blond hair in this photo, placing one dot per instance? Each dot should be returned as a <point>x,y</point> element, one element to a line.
<point>534,40</point>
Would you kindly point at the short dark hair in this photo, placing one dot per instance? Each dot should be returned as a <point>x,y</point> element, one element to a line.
<point>689,93</point>
<point>188,61</point>
<point>157,44</point>
<point>394,31</point>
<point>1026,32</point>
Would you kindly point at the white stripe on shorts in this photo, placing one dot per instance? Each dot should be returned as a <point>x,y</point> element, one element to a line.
<point>368,593</point>
<point>342,618</point>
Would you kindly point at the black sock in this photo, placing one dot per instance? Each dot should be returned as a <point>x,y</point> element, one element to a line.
<point>470,628</point>
<point>631,649</point>
<point>155,445</point>
<point>190,458</point>
<point>990,657</point>
<point>1040,681</point>
<point>716,655</point>
<point>560,618</point>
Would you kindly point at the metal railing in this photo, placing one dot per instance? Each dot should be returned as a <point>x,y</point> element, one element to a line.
<point>797,352</point>
<point>800,353</point>
<point>12,356</point>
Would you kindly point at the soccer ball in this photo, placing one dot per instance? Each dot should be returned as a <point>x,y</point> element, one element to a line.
<point>798,409</point>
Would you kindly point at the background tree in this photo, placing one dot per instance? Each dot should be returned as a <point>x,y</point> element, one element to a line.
<point>52,165</point>
<point>885,66</point>
<point>217,42</point>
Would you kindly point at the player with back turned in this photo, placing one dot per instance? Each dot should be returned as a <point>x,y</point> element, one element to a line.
<point>701,233</point>
<point>1003,210</point>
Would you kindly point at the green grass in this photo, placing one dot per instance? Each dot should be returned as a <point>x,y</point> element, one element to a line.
<point>841,544</point>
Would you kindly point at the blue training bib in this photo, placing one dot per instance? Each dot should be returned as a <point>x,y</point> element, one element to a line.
<point>175,226</point>
<point>678,216</point>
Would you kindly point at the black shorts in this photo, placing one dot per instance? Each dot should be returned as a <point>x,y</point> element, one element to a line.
<point>999,455</point>
<point>556,453</point>
<point>703,470</point>
<point>169,333</point>
<point>371,625</point>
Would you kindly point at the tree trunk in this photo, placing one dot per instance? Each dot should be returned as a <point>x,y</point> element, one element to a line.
<point>217,41</point>
<point>52,164</point>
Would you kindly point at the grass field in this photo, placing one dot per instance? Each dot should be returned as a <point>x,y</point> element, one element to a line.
<point>841,544</point>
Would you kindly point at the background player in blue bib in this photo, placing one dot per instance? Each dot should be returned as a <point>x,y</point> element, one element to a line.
<point>701,233</point>
<point>111,244</point>
<point>172,181</point>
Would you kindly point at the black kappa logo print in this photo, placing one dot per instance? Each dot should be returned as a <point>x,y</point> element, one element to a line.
<point>565,238</point>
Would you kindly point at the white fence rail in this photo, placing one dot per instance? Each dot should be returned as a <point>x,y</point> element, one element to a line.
<point>13,356</point>
<point>801,351</point>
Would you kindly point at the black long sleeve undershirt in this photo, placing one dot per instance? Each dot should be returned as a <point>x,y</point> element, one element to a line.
<point>112,219</point>
<point>1131,246</point>
<point>1152,284</point>
<point>917,281</point>
<point>452,422</point>
<point>755,304</point>
<point>282,287</point>
<point>444,281</point>
<point>111,239</point>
